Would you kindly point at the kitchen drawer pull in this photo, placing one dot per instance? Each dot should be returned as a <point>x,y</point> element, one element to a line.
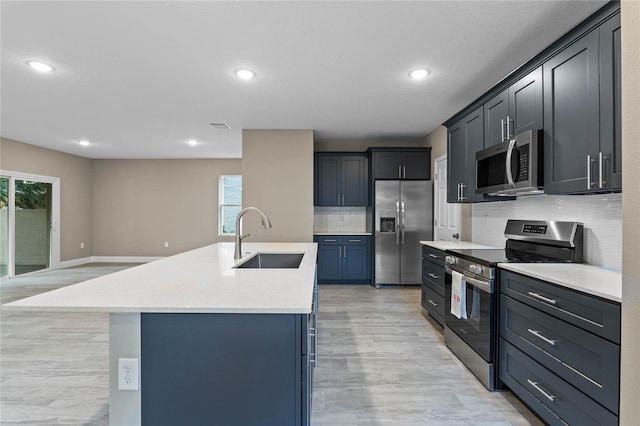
<point>330,241</point>
<point>539,389</point>
<point>541,337</point>
<point>434,304</point>
<point>434,276</point>
<point>355,241</point>
<point>435,256</point>
<point>542,298</point>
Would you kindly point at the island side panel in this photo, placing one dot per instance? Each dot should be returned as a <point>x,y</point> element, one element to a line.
<point>232,369</point>
<point>124,342</point>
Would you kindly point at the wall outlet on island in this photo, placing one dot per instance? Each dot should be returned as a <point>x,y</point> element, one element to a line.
<point>81,245</point>
<point>128,374</point>
<point>166,244</point>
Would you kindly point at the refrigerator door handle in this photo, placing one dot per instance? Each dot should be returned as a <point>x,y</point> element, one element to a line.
<point>402,217</point>
<point>397,222</point>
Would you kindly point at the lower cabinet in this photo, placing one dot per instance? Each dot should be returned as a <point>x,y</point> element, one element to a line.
<point>432,299</point>
<point>344,259</point>
<point>560,351</point>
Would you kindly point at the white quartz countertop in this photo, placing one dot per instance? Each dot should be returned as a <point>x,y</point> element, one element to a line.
<point>594,280</point>
<point>342,233</point>
<point>446,245</point>
<point>197,281</point>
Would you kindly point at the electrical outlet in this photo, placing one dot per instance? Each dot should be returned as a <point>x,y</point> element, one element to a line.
<point>166,244</point>
<point>81,245</point>
<point>128,374</point>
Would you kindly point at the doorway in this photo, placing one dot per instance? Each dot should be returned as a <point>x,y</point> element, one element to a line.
<point>29,208</point>
<point>446,216</point>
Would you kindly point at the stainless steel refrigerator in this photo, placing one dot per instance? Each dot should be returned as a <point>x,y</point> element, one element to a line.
<point>403,218</point>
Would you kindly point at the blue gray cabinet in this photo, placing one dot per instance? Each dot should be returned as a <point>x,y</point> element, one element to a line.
<point>344,259</point>
<point>432,295</point>
<point>340,180</point>
<point>465,138</point>
<point>228,369</point>
<point>582,114</point>
<point>515,110</point>
<point>560,350</point>
<point>401,164</point>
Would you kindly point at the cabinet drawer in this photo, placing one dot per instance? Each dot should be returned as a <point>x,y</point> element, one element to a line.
<point>355,240</point>
<point>434,274</point>
<point>596,315</point>
<point>433,255</point>
<point>585,360</point>
<point>553,399</point>
<point>433,303</point>
<point>330,240</point>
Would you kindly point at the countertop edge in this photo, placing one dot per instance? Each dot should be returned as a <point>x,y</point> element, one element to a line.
<point>550,276</point>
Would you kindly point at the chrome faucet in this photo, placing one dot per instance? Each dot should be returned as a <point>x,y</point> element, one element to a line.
<point>239,237</point>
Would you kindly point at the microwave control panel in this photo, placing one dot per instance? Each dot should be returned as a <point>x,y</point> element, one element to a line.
<point>523,170</point>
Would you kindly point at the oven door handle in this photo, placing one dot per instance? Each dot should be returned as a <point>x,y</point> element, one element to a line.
<point>482,285</point>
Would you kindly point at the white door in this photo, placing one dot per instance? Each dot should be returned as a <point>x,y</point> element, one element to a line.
<point>446,216</point>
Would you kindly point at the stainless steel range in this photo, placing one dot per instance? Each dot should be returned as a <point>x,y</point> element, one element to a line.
<point>471,331</point>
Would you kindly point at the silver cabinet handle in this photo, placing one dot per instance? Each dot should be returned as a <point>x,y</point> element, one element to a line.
<point>601,180</point>
<point>502,129</point>
<point>434,276</point>
<point>432,303</point>
<point>462,187</point>
<point>539,389</point>
<point>541,337</point>
<point>355,241</point>
<point>404,172</point>
<point>542,298</point>
<point>589,161</point>
<point>330,241</point>
<point>512,144</point>
<point>340,252</point>
<point>459,192</point>
<point>399,172</point>
<point>435,256</point>
<point>508,130</point>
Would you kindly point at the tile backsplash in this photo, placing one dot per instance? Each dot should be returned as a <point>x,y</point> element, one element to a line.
<point>601,215</point>
<point>340,219</point>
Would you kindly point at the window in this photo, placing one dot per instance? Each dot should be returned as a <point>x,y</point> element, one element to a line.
<point>230,204</point>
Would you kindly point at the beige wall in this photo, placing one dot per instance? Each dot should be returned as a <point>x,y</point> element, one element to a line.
<point>277,177</point>
<point>361,146</point>
<point>139,204</point>
<point>75,190</point>
<point>437,140</point>
<point>630,377</point>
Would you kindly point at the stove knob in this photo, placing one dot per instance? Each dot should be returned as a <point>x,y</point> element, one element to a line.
<point>476,269</point>
<point>450,260</point>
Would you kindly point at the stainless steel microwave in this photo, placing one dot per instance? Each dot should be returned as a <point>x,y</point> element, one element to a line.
<point>513,167</point>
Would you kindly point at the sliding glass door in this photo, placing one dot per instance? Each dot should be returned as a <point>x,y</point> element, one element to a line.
<point>28,208</point>
<point>4,226</point>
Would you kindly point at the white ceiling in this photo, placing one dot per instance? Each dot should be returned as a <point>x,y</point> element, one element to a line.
<point>139,78</point>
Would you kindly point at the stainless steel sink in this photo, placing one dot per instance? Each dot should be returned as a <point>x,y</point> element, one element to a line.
<point>272,260</point>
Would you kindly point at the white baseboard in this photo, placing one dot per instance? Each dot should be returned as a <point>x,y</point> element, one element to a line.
<point>108,259</point>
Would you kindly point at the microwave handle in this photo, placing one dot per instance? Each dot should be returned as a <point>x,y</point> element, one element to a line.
<point>512,144</point>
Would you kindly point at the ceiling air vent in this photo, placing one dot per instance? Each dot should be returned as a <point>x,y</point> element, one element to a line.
<point>221,126</point>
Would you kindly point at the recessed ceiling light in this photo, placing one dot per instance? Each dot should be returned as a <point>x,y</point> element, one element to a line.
<point>419,74</point>
<point>192,142</point>
<point>245,74</point>
<point>84,143</point>
<point>40,66</point>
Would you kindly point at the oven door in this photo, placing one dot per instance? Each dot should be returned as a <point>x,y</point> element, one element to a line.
<point>478,330</point>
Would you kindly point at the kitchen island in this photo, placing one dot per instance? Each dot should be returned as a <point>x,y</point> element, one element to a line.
<point>215,343</point>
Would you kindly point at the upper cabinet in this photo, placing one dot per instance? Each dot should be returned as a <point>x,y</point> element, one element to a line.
<point>515,110</point>
<point>400,164</point>
<point>465,137</point>
<point>340,180</point>
<point>582,114</point>
<point>572,91</point>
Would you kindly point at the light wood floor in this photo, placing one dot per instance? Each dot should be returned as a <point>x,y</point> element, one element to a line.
<point>380,362</point>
